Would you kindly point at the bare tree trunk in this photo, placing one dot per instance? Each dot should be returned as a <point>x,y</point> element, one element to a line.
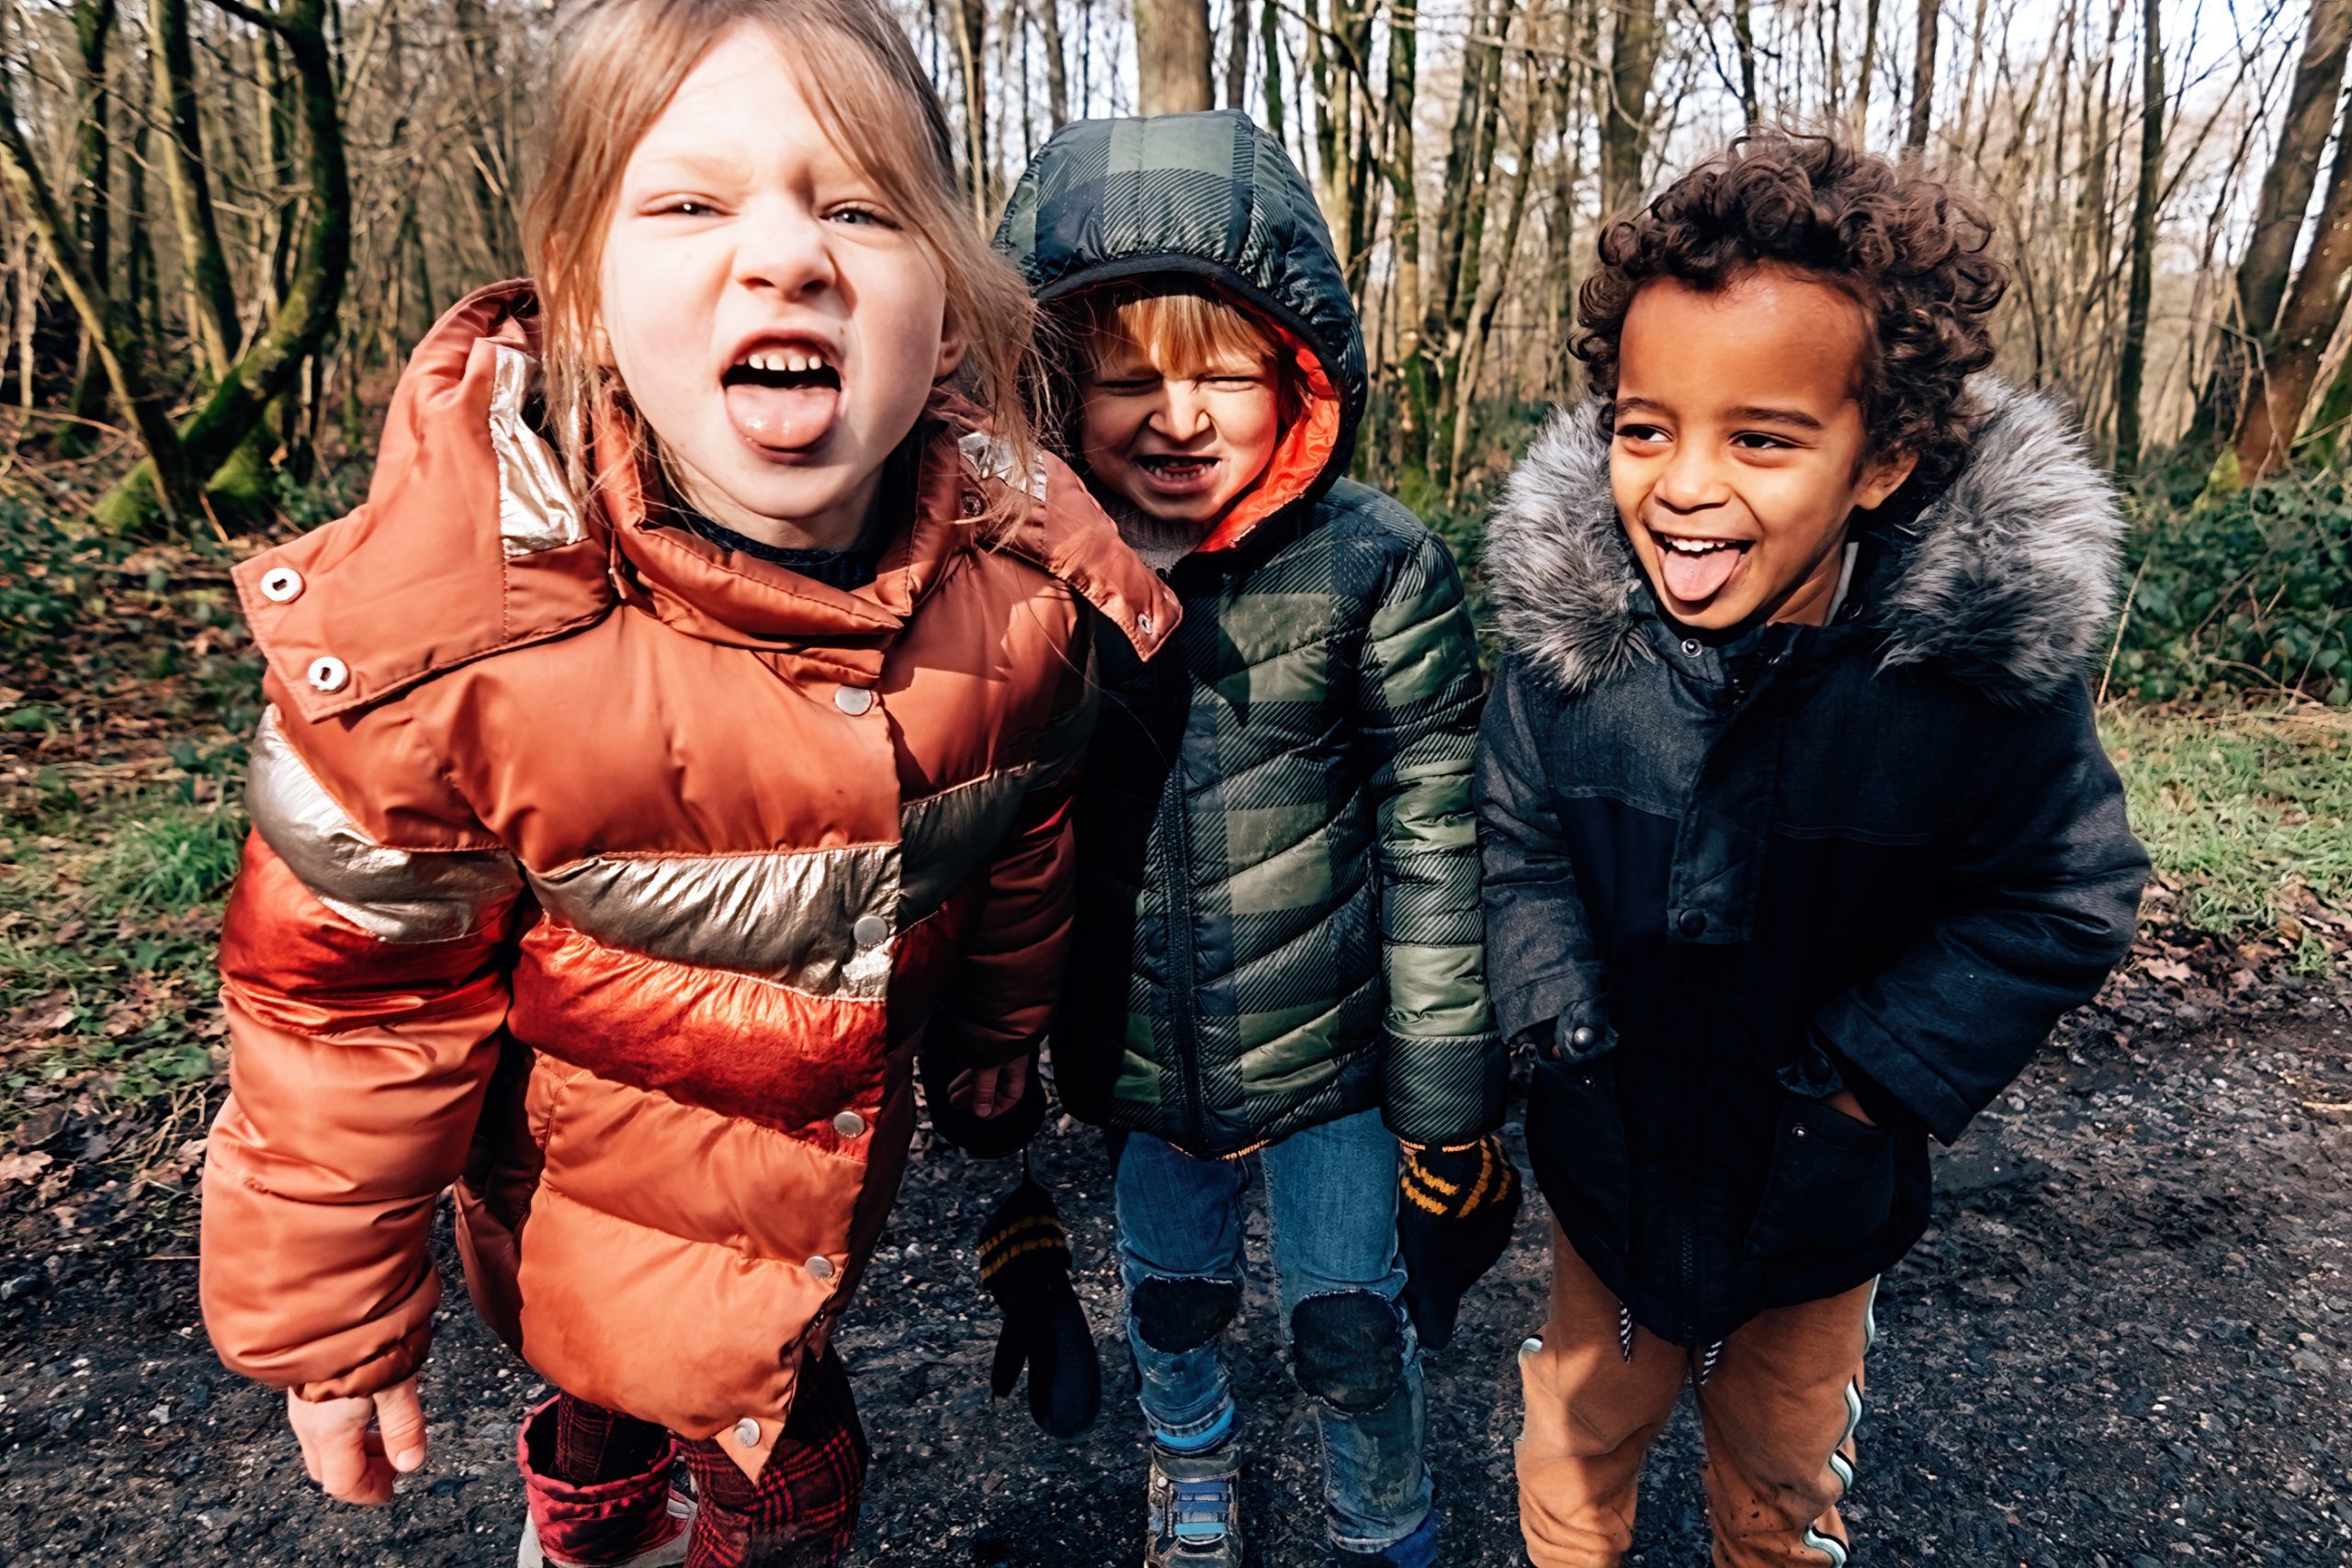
<point>93,204</point>
<point>2278,212</point>
<point>1268,40</point>
<point>1624,125</point>
<point>118,356</point>
<point>212,306</point>
<point>213,434</point>
<point>2143,240</point>
<point>1861,117</point>
<point>1237,56</point>
<point>1415,394</point>
<point>1490,295</point>
<point>1049,23</point>
<point>1743,32</point>
<point>1923,80</point>
<point>971,59</point>
<point>1173,56</point>
<point>2274,407</point>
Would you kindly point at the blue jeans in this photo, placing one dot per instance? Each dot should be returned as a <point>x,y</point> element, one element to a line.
<point>1331,1219</point>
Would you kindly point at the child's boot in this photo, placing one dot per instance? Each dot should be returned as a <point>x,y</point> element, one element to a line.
<point>635,1521</point>
<point>1192,1511</point>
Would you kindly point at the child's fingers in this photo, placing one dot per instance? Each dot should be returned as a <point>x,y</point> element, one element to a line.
<point>959,1090</point>
<point>400,1420</point>
<point>344,1470</point>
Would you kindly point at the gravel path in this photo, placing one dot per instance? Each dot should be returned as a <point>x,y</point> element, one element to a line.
<point>2127,1342</point>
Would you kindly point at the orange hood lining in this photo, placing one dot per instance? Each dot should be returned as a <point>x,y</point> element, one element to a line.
<point>1301,456</point>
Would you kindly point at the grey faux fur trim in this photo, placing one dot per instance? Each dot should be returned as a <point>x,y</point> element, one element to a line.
<point>2007,579</point>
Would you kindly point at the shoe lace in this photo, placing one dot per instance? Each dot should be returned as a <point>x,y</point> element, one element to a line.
<point>1200,1509</point>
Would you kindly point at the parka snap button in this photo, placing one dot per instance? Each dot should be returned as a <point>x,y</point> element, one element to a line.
<point>971,504</point>
<point>1692,923</point>
<point>1691,648</point>
<point>853,700</point>
<point>1800,1131</point>
<point>820,1267</point>
<point>849,1123</point>
<point>282,584</point>
<point>328,673</point>
<point>1143,623</point>
<point>869,931</point>
<point>747,1432</point>
<point>1584,1037</point>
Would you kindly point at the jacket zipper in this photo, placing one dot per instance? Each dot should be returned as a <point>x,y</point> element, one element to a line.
<point>1743,694</point>
<point>1176,834</point>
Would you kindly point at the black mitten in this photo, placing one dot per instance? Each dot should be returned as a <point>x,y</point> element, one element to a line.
<point>1024,1262</point>
<point>1453,1219</point>
<point>1007,1132</point>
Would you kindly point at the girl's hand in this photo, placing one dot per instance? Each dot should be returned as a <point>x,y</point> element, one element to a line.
<point>1844,1101</point>
<point>353,1447</point>
<point>989,1091</point>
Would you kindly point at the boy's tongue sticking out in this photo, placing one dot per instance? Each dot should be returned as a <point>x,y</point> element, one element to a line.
<point>1696,569</point>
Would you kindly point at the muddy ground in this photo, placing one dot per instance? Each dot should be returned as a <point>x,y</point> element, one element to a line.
<point>2127,1342</point>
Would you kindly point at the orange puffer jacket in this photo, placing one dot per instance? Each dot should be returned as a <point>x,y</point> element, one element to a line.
<point>614,878</point>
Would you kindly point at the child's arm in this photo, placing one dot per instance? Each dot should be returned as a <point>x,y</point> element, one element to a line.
<point>366,984</point>
<point>1443,1067</point>
<point>1542,964</point>
<point>994,1012</point>
<point>2046,890</point>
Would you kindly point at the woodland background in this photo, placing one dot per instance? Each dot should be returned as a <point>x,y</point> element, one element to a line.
<point>224,222</point>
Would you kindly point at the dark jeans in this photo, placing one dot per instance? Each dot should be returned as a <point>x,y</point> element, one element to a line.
<point>1331,1223</point>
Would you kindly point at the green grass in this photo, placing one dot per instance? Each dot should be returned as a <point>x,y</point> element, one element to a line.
<point>2248,816</point>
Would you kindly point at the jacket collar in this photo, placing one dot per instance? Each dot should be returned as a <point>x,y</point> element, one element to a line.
<point>2004,579</point>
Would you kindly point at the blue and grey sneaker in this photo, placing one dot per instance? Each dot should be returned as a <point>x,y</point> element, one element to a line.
<point>1192,1511</point>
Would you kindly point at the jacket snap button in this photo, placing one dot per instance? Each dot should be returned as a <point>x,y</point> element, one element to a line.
<point>282,585</point>
<point>747,1432</point>
<point>1692,923</point>
<point>870,929</point>
<point>1585,1036</point>
<point>853,700</point>
<point>971,505</point>
<point>1143,623</point>
<point>328,673</point>
<point>1690,647</point>
<point>820,1267</point>
<point>1800,1131</point>
<point>849,1123</point>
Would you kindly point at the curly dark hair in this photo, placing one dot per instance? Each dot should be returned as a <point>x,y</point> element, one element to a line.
<point>1914,254</point>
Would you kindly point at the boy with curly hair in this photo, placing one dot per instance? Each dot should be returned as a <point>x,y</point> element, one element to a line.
<point>1796,833</point>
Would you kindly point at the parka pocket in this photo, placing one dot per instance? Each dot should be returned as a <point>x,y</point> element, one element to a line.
<point>1830,1188</point>
<point>1576,1135</point>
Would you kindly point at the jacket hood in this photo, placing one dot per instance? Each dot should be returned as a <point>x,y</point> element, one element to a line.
<point>471,542</point>
<point>1210,199</point>
<point>2004,579</point>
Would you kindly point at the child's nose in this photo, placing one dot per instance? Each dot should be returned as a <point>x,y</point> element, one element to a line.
<point>782,248</point>
<point>1184,413</point>
<point>1691,481</point>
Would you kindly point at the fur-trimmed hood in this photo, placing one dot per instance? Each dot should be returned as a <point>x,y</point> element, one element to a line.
<point>2006,579</point>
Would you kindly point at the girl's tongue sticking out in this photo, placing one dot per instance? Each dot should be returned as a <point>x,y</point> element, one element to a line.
<point>1696,569</point>
<point>783,400</point>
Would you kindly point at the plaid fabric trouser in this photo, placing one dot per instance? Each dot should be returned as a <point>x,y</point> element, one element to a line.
<point>800,1514</point>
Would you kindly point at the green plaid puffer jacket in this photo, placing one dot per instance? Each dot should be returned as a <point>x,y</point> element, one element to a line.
<point>1278,914</point>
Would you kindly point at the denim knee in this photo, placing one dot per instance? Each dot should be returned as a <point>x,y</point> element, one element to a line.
<point>1348,1349</point>
<point>1174,1315</point>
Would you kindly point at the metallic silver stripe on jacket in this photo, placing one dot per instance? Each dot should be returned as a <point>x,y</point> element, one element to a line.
<point>396,895</point>
<point>788,916</point>
<point>948,837</point>
<point>535,511</point>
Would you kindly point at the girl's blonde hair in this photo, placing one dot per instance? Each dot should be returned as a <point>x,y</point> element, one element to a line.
<point>621,60</point>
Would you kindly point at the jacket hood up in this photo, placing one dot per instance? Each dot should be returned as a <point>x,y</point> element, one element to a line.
<point>2004,579</point>
<point>1207,199</point>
